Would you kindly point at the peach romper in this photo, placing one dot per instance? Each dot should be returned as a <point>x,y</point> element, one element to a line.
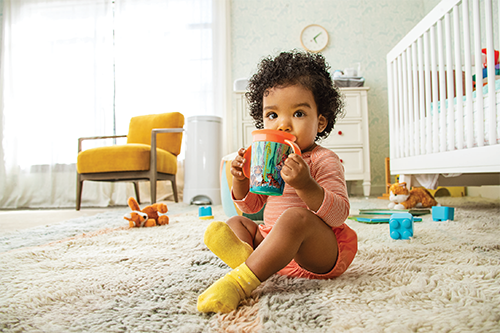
<point>328,171</point>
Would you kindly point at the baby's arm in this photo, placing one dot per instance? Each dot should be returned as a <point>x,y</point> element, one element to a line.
<point>326,171</point>
<point>296,173</point>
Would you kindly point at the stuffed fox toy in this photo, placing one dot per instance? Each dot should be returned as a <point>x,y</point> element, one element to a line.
<point>402,198</point>
<point>149,216</point>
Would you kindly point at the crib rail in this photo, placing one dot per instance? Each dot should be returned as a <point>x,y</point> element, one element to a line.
<point>432,103</point>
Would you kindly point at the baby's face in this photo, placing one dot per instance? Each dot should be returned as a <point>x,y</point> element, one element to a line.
<point>292,109</point>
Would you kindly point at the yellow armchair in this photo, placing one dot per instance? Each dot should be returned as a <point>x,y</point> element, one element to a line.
<point>153,143</point>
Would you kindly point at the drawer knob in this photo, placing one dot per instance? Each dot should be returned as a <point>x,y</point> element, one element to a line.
<point>340,132</point>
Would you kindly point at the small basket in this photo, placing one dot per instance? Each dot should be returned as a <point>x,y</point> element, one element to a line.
<point>354,81</point>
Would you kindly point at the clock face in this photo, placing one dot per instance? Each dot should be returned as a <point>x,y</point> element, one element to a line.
<point>314,38</point>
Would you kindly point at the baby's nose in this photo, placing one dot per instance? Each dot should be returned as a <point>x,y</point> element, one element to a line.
<point>285,126</point>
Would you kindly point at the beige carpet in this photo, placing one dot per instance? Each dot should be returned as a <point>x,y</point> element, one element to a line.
<point>446,279</point>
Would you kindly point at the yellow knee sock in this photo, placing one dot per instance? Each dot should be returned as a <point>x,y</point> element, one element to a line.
<point>222,241</point>
<point>226,293</point>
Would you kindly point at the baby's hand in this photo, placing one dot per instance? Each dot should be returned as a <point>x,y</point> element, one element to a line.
<point>237,165</point>
<point>296,172</point>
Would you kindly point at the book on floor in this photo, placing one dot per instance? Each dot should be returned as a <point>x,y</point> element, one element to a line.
<point>413,211</point>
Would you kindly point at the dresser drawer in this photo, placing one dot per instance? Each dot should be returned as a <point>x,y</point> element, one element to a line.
<point>345,133</point>
<point>352,160</point>
<point>353,105</point>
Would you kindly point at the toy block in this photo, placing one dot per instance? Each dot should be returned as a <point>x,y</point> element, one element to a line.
<point>205,213</point>
<point>441,213</point>
<point>401,226</point>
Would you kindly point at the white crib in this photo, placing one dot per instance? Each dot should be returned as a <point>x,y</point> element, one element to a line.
<point>440,126</point>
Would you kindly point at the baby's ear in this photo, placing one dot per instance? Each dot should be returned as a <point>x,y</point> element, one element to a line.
<point>322,122</point>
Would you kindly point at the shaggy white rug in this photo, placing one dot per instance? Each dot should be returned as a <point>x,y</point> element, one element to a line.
<point>445,279</point>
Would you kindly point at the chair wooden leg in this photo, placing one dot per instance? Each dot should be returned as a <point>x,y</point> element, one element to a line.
<point>79,188</point>
<point>137,195</point>
<point>174,189</point>
<point>153,191</point>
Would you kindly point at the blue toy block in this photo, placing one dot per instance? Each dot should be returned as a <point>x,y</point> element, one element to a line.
<point>205,213</point>
<point>441,213</point>
<point>401,226</point>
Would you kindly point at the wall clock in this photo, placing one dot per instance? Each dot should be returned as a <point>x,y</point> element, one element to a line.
<point>314,38</point>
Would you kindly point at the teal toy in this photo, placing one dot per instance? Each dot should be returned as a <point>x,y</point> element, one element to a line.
<point>440,213</point>
<point>401,226</point>
<point>205,213</point>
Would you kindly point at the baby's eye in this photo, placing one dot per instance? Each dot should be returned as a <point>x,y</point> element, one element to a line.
<point>298,114</point>
<point>271,115</point>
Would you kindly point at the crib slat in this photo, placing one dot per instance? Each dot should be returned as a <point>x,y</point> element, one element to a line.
<point>458,79</point>
<point>428,125</point>
<point>396,107</point>
<point>397,124</point>
<point>416,122</point>
<point>468,75</point>
<point>442,89</point>
<point>491,115</point>
<point>391,94</point>
<point>449,76</point>
<point>397,112</point>
<point>401,122</point>
<point>404,110</point>
<point>435,93</point>
<point>409,116</point>
<point>421,95</point>
<point>479,121</point>
<point>408,111</point>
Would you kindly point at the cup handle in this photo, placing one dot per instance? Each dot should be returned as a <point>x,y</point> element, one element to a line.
<point>246,167</point>
<point>295,147</point>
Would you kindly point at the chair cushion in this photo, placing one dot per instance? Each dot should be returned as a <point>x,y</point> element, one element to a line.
<point>128,157</point>
<point>140,130</point>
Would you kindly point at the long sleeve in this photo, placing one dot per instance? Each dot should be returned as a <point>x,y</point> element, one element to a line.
<point>328,171</point>
<point>250,204</point>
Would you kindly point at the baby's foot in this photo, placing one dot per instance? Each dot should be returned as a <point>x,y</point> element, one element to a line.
<point>223,242</point>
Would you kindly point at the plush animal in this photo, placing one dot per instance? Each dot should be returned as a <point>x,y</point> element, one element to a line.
<point>139,219</point>
<point>149,216</point>
<point>402,198</point>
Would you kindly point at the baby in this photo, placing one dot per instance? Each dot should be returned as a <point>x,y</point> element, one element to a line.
<point>303,234</point>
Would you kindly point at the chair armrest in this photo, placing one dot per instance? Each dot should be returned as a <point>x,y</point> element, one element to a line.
<point>154,132</point>
<point>80,140</point>
<point>167,130</point>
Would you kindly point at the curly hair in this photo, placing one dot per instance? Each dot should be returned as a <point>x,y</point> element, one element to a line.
<point>290,68</point>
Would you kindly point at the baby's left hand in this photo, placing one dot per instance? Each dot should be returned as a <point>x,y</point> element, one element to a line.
<point>296,172</point>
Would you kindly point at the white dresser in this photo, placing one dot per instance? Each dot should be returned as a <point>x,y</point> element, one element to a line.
<point>349,139</point>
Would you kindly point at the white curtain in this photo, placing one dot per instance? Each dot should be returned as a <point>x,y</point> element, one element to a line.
<point>74,68</point>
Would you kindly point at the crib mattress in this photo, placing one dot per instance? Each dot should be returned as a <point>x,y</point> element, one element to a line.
<point>476,116</point>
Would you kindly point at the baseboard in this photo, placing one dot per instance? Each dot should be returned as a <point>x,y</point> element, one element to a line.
<point>356,189</point>
<point>490,192</point>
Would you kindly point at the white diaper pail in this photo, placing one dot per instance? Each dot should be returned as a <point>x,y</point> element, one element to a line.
<point>203,158</point>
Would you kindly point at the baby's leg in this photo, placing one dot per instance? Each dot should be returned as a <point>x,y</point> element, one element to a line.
<point>225,242</point>
<point>298,234</point>
<point>232,242</point>
<point>246,230</point>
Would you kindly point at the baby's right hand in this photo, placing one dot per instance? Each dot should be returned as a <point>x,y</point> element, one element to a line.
<point>237,165</point>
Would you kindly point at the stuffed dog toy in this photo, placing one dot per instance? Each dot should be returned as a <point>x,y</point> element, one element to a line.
<point>149,216</point>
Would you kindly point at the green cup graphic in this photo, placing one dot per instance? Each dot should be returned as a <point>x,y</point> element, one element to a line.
<point>265,159</point>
